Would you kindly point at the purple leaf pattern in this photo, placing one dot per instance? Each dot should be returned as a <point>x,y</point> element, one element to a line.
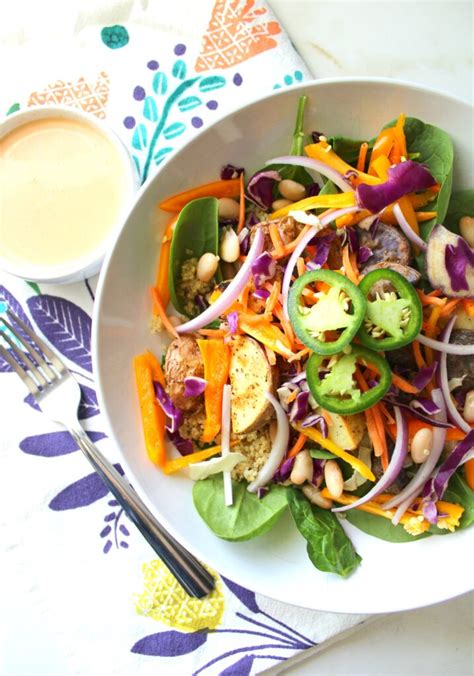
<point>241,668</point>
<point>53,444</point>
<point>8,301</point>
<point>170,643</point>
<point>66,326</point>
<point>81,493</point>
<point>245,596</point>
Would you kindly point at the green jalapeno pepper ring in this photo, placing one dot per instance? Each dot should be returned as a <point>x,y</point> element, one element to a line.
<point>338,383</point>
<point>391,315</point>
<point>329,313</point>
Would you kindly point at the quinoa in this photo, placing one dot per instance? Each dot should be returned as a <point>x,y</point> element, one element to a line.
<point>193,425</point>
<point>190,286</point>
<point>256,447</point>
<point>155,324</point>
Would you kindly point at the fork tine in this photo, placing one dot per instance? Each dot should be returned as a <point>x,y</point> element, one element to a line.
<point>29,382</point>
<point>53,358</point>
<point>31,350</point>
<point>24,358</point>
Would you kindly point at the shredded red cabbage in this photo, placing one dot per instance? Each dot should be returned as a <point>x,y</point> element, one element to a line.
<point>415,408</point>
<point>233,320</point>
<point>260,188</point>
<point>283,472</point>
<point>194,386</point>
<point>174,415</point>
<point>262,491</point>
<point>456,259</point>
<point>300,407</point>
<point>184,446</point>
<point>231,171</point>
<point>313,189</point>
<point>263,268</point>
<point>314,419</point>
<point>363,255</point>
<point>261,294</point>
<point>318,471</point>
<point>402,179</point>
<point>323,248</point>
<point>424,375</point>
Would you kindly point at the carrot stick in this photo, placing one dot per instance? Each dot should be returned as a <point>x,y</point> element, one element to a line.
<point>153,417</point>
<point>161,312</point>
<point>212,333</point>
<point>216,359</point>
<point>272,299</point>
<point>430,299</point>
<point>179,463</point>
<point>175,203</point>
<point>241,222</point>
<point>431,331</point>
<point>276,239</point>
<point>300,266</point>
<point>161,282</point>
<point>362,156</point>
<point>297,446</point>
<point>375,428</point>
<point>470,473</point>
<point>420,362</point>
<point>349,270</point>
<point>449,307</point>
<point>403,384</point>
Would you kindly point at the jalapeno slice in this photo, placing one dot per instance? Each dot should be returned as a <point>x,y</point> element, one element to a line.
<point>333,384</point>
<point>394,313</point>
<point>340,308</point>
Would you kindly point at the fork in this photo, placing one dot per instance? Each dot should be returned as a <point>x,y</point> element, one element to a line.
<point>58,395</point>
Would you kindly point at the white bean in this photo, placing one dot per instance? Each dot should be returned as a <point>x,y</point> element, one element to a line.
<point>291,190</point>
<point>466,228</point>
<point>315,497</point>
<point>469,407</point>
<point>280,204</point>
<point>421,445</point>
<point>333,478</point>
<point>207,267</point>
<point>302,469</point>
<point>228,208</point>
<point>229,248</point>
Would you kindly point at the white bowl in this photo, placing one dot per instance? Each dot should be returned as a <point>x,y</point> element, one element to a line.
<point>89,264</point>
<point>392,576</point>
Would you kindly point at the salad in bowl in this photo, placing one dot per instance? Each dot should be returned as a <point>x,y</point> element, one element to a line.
<point>320,361</point>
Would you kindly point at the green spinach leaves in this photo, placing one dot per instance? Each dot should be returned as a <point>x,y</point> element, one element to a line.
<point>461,204</point>
<point>329,548</point>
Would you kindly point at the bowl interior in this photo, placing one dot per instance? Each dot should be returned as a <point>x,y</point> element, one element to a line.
<point>276,564</point>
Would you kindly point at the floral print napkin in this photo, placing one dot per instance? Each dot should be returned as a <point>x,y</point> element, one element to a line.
<point>86,595</point>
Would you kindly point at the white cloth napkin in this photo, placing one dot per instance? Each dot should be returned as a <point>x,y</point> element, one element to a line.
<point>83,592</point>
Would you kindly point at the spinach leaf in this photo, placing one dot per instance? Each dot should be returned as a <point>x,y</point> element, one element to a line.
<point>435,149</point>
<point>321,454</point>
<point>380,527</point>
<point>348,148</point>
<point>459,493</point>
<point>196,232</point>
<point>461,204</point>
<point>246,518</point>
<point>329,548</point>
<point>329,188</point>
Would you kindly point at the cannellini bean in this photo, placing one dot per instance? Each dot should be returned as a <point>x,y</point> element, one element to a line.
<point>228,208</point>
<point>207,267</point>
<point>291,190</point>
<point>333,478</point>
<point>421,445</point>
<point>302,469</point>
<point>229,248</point>
<point>279,204</point>
<point>469,407</point>
<point>466,228</point>
<point>315,497</point>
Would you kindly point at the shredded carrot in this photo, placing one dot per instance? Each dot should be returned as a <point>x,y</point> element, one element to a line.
<point>375,427</point>
<point>299,355</point>
<point>382,146</point>
<point>346,260</point>
<point>297,446</point>
<point>455,434</point>
<point>470,473</point>
<point>175,203</point>
<point>291,246</point>
<point>212,333</point>
<point>362,156</point>
<point>431,332</point>
<point>399,150</point>
<point>172,466</point>
<point>286,325</point>
<point>449,307</point>
<point>430,299</point>
<point>403,384</point>
<point>300,266</point>
<point>468,306</point>
<point>342,221</point>
<point>161,312</point>
<point>292,396</point>
<point>161,282</point>
<point>421,199</point>
<point>241,222</point>
<point>422,216</point>
<point>420,362</point>
<point>385,412</point>
<point>276,239</point>
<point>272,299</point>
<point>409,213</point>
<point>244,297</point>
<point>271,356</point>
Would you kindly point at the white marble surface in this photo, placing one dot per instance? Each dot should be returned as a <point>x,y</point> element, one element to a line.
<point>429,43</point>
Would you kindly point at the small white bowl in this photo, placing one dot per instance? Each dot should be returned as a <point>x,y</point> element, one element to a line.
<point>89,264</point>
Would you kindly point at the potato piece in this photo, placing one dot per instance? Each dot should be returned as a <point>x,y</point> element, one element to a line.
<point>183,359</point>
<point>346,431</point>
<point>250,377</point>
<point>463,320</point>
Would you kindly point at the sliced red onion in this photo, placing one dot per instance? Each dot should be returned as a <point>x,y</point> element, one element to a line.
<point>424,376</point>
<point>184,446</point>
<point>406,496</point>
<point>279,446</point>
<point>233,320</point>
<point>352,239</point>
<point>416,413</point>
<point>402,179</point>
<point>174,414</point>
<point>427,406</point>
<point>300,247</point>
<point>336,177</point>
<point>394,468</point>
<point>260,188</point>
<point>194,386</point>
<point>225,442</point>
<point>300,407</point>
<point>261,493</point>
<point>453,412</point>
<point>263,268</point>
<point>231,171</point>
<point>243,234</point>
<point>407,229</point>
<point>322,253</point>
<point>230,294</point>
<point>448,348</point>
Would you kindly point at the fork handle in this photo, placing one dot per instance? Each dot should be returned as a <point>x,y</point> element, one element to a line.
<point>189,572</point>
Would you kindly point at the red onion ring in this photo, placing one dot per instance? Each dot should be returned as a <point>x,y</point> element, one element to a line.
<point>453,412</point>
<point>309,163</point>
<point>407,230</point>
<point>439,346</point>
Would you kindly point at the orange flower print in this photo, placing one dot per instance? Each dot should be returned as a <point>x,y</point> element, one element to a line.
<point>237,31</point>
<point>92,98</point>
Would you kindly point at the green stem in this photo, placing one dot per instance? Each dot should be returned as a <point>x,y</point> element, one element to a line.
<point>159,128</point>
<point>298,134</point>
<point>35,287</point>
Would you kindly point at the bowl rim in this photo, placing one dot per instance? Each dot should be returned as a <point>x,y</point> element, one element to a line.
<point>90,263</point>
<point>99,299</point>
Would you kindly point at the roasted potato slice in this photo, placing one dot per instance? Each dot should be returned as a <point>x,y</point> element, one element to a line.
<point>250,377</point>
<point>346,431</point>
